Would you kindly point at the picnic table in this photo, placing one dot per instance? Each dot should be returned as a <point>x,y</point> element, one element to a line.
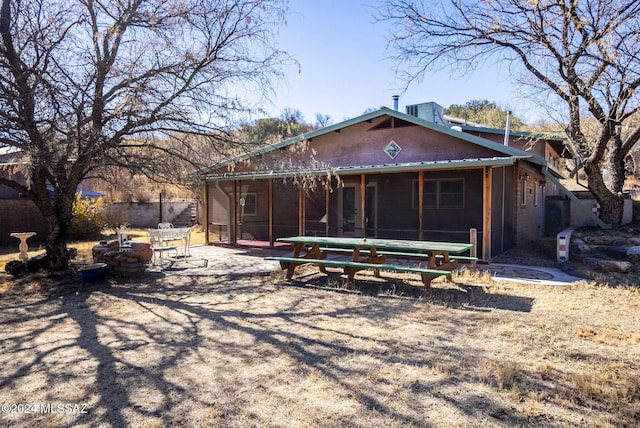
<point>428,258</point>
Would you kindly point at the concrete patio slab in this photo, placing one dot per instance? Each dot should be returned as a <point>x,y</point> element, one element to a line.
<point>208,260</point>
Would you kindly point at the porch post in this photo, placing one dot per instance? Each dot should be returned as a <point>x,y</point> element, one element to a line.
<point>270,192</point>
<point>206,212</point>
<point>326,204</point>
<point>420,205</point>
<point>301,211</point>
<point>486,213</point>
<point>233,229</point>
<point>363,198</point>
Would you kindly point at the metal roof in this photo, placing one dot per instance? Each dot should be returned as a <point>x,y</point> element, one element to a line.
<point>384,111</point>
<point>369,169</point>
<point>525,134</point>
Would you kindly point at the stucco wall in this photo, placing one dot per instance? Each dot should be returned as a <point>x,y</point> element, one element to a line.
<point>364,144</point>
<point>21,215</point>
<point>147,215</point>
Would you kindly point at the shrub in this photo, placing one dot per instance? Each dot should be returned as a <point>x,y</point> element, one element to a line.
<point>87,221</point>
<point>115,215</point>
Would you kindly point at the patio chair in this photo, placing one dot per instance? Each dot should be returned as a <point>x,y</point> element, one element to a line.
<point>159,246</point>
<point>123,239</point>
<point>165,238</point>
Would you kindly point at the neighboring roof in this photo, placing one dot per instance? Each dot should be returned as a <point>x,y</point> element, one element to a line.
<point>555,141</point>
<point>511,132</point>
<point>7,150</point>
<point>443,129</point>
<point>85,193</point>
<point>8,156</point>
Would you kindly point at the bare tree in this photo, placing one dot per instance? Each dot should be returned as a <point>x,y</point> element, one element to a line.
<point>583,52</point>
<point>323,120</point>
<point>87,84</point>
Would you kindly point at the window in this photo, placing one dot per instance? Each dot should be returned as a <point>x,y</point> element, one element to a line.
<point>451,193</point>
<point>441,194</point>
<point>249,204</point>
<point>430,194</point>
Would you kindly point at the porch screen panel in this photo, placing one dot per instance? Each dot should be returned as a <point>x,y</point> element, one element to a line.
<point>452,205</point>
<point>397,214</point>
<point>252,209</point>
<point>315,219</point>
<point>285,209</point>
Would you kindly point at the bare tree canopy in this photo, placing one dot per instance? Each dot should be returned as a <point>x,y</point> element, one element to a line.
<point>584,52</point>
<point>87,84</point>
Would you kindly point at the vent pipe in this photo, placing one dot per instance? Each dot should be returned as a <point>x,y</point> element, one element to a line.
<point>507,128</point>
<point>395,102</point>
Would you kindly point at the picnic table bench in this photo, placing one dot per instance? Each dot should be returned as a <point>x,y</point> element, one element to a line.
<point>430,259</point>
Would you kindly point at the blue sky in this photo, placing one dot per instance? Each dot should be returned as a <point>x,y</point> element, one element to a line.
<point>345,70</point>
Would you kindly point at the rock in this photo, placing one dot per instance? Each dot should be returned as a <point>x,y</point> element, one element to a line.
<point>37,263</point>
<point>593,262</point>
<point>577,241</point>
<point>616,252</point>
<point>599,240</point>
<point>634,241</point>
<point>584,249</point>
<point>615,266</point>
<point>633,255</point>
<point>633,251</point>
<point>16,268</point>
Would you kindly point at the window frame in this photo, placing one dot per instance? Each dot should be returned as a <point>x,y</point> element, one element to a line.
<point>244,211</point>
<point>439,194</point>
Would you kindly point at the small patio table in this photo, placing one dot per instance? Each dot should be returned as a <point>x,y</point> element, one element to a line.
<point>177,233</point>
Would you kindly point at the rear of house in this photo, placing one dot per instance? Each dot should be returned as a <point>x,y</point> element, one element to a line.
<point>385,174</point>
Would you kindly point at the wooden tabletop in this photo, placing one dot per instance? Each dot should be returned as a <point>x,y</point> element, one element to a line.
<point>386,244</point>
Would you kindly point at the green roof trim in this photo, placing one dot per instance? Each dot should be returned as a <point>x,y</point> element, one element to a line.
<point>384,111</point>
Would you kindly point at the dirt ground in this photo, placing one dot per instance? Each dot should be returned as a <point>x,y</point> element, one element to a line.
<point>238,351</point>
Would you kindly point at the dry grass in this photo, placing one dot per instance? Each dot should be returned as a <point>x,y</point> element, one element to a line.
<point>256,351</point>
<point>9,252</point>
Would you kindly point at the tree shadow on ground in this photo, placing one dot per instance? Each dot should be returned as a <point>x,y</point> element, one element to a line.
<point>444,293</point>
<point>226,345</point>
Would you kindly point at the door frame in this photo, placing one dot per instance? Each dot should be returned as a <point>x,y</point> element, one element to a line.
<point>359,227</point>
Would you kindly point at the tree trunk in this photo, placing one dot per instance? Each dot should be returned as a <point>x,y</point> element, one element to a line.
<point>56,246</point>
<point>59,221</point>
<point>611,204</point>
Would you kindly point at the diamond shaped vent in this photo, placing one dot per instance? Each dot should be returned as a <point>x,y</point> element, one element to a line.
<point>392,149</point>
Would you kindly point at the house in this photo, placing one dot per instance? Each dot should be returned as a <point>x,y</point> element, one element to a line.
<point>389,174</point>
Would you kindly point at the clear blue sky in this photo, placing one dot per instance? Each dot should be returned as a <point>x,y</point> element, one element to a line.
<point>345,70</point>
